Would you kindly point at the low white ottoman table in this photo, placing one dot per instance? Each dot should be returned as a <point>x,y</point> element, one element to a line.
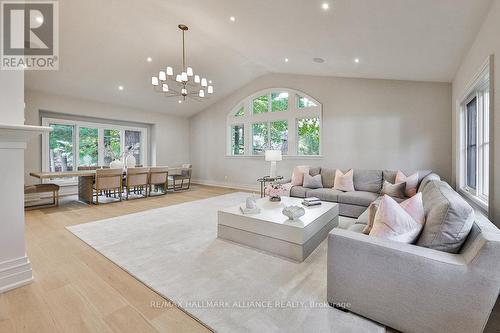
<point>273,232</point>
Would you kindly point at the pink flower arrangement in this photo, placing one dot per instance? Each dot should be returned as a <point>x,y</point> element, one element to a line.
<point>274,190</point>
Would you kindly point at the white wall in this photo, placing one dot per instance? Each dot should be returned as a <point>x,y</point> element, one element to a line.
<point>366,124</point>
<point>11,103</point>
<point>487,43</point>
<point>169,137</point>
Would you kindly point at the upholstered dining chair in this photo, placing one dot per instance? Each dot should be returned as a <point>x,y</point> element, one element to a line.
<point>184,177</point>
<point>107,180</point>
<point>137,178</point>
<point>158,178</point>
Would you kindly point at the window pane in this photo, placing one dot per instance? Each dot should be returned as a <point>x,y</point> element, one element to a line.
<point>308,136</point>
<point>61,148</point>
<point>279,136</point>
<point>471,143</point>
<point>259,138</point>
<point>88,144</point>
<point>240,112</point>
<point>261,104</point>
<point>133,144</point>
<point>237,140</point>
<point>304,102</point>
<point>112,146</point>
<point>279,101</point>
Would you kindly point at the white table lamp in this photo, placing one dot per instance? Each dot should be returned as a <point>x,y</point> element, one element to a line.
<point>273,156</point>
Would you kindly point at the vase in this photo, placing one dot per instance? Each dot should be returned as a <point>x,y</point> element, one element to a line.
<point>130,161</point>
<point>275,198</point>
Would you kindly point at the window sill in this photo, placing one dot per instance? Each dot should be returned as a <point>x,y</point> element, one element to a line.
<point>285,157</point>
<point>476,201</point>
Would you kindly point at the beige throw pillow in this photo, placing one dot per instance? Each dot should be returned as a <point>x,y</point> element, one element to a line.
<point>399,222</point>
<point>411,183</point>
<point>344,182</point>
<point>298,174</point>
<point>393,190</point>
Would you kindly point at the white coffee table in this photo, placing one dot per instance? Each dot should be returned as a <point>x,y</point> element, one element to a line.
<point>273,232</point>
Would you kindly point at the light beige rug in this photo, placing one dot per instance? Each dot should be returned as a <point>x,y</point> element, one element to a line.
<point>231,288</point>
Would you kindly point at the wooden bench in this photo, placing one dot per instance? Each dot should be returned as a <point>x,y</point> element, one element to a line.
<point>43,188</point>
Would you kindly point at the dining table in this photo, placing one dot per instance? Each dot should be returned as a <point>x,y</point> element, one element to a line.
<point>86,179</point>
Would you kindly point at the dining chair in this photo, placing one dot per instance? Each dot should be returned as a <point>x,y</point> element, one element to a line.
<point>184,176</point>
<point>158,178</point>
<point>107,180</point>
<point>138,179</point>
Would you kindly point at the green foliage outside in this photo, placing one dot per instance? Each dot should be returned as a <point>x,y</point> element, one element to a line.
<point>61,147</point>
<point>304,102</point>
<point>279,135</point>
<point>260,138</point>
<point>240,112</point>
<point>279,102</point>
<point>261,104</point>
<point>308,130</point>
<point>89,140</point>
<point>112,145</point>
<point>237,140</point>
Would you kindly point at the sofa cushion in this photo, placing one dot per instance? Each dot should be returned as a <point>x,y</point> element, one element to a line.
<point>359,198</point>
<point>298,191</point>
<point>328,177</point>
<point>325,194</point>
<point>449,218</point>
<point>344,181</point>
<point>298,174</point>
<point>356,228</point>
<point>368,180</point>
<point>426,180</point>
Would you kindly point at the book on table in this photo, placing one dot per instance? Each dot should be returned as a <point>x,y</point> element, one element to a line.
<point>311,199</point>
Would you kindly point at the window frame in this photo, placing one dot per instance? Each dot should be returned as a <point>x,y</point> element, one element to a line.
<point>290,115</point>
<point>478,89</point>
<point>47,121</point>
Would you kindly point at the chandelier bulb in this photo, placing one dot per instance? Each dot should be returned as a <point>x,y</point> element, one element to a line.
<point>189,71</point>
<point>203,82</point>
<point>162,76</point>
<point>210,89</point>
<point>170,71</point>
<point>154,81</point>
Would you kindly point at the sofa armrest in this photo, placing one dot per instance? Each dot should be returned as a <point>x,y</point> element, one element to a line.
<point>411,288</point>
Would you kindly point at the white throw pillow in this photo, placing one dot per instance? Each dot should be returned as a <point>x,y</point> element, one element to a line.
<point>312,182</point>
<point>344,182</point>
<point>399,222</point>
<point>411,183</point>
<point>298,174</point>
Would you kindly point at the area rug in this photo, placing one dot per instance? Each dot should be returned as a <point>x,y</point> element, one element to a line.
<point>230,288</point>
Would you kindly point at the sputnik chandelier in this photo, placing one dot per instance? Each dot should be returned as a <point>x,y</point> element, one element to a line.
<point>186,83</point>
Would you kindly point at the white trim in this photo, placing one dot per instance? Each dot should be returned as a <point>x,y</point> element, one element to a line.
<point>15,273</point>
<point>291,115</point>
<point>236,186</point>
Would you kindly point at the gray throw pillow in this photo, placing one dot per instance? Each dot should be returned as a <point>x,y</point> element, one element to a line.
<point>394,190</point>
<point>312,181</point>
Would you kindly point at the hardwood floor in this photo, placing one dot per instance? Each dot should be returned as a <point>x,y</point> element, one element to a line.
<point>76,289</point>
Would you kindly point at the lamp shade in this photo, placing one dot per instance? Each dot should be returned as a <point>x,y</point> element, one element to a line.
<point>273,155</point>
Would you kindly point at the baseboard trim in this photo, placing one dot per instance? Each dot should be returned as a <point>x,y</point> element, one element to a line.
<point>236,186</point>
<point>15,273</point>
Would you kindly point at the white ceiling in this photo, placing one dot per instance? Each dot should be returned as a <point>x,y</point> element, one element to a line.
<point>104,44</point>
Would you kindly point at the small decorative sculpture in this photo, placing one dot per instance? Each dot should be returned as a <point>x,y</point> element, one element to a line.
<point>293,212</point>
<point>250,206</point>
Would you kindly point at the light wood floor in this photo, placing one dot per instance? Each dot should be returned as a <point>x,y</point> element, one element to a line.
<point>78,290</point>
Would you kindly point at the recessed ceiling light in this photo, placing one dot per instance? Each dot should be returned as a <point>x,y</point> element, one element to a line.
<point>149,59</point>
<point>39,19</point>
<point>325,5</point>
<point>120,88</point>
<point>356,60</point>
<point>286,59</point>
<point>180,102</point>
<point>319,60</point>
<point>232,18</point>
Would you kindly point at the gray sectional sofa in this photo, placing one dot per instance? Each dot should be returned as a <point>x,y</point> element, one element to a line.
<point>448,281</point>
<point>367,183</point>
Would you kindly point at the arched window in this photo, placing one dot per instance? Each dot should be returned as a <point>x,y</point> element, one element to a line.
<point>277,118</point>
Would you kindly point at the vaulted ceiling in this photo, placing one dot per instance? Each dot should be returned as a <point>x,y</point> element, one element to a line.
<point>105,44</point>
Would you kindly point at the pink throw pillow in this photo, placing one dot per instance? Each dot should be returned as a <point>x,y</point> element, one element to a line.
<point>298,174</point>
<point>399,222</point>
<point>344,182</point>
